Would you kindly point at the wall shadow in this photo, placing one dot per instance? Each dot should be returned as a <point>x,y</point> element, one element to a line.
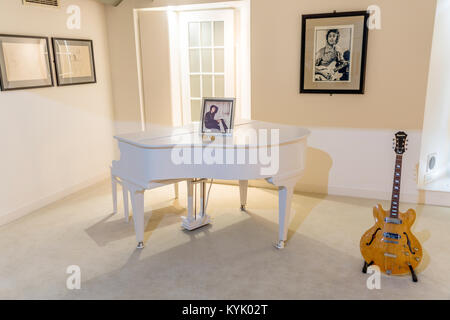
<point>317,170</point>
<point>314,180</point>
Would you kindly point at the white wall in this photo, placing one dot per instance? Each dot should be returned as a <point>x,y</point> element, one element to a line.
<point>54,140</point>
<point>437,111</point>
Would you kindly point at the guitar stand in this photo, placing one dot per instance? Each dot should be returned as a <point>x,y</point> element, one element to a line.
<point>413,274</point>
<point>366,265</point>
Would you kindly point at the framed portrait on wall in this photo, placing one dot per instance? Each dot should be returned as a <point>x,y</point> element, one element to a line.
<point>24,62</point>
<point>217,115</point>
<point>74,60</point>
<point>333,52</point>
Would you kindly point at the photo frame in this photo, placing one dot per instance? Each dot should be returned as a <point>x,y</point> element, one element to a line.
<point>220,121</point>
<point>24,62</point>
<point>74,61</point>
<point>334,52</point>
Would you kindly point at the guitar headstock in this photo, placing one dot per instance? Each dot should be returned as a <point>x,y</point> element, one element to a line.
<point>400,142</point>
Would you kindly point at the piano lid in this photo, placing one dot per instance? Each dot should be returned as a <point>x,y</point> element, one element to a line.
<point>157,136</point>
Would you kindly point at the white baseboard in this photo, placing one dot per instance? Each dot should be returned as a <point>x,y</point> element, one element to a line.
<point>35,205</point>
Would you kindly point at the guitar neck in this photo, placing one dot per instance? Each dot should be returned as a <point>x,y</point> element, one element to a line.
<point>396,186</point>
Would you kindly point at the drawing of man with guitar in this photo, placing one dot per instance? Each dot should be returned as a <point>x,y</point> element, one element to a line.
<point>332,63</point>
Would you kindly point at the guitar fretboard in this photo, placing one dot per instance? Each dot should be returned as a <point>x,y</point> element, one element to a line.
<point>396,186</point>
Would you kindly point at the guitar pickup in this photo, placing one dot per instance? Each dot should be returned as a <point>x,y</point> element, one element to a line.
<point>392,235</point>
<point>392,220</point>
<point>390,241</point>
<point>390,255</point>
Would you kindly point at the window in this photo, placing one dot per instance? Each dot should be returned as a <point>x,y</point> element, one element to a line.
<point>207,58</point>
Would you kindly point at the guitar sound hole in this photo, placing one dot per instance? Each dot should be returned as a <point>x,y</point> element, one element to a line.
<point>408,243</point>
<point>373,237</point>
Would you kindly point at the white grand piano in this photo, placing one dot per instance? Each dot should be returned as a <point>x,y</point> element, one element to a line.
<point>256,150</point>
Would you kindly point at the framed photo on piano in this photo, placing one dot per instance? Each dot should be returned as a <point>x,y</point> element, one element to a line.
<point>217,116</point>
<point>333,52</point>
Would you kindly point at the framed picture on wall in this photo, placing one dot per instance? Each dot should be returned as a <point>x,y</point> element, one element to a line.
<point>74,60</point>
<point>333,52</point>
<point>24,62</point>
<point>217,115</point>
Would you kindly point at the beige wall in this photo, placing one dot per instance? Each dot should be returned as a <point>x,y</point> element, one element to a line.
<point>350,145</point>
<point>397,66</point>
<point>155,52</point>
<point>54,140</point>
<point>122,42</point>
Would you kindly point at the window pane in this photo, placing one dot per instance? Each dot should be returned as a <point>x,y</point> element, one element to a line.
<point>206,34</point>
<point>195,87</point>
<point>219,86</point>
<point>218,33</point>
<point>194,34</point>
<point>206,60</point>
<point>219,60</point>
<point>194,60</point>
<point>195,110</point>
<point>207,86</point>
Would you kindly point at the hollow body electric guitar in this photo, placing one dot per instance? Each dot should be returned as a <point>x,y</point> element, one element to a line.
<point>390,244</point>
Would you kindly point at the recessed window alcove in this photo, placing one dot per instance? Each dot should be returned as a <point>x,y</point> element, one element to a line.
<point>434,167</point>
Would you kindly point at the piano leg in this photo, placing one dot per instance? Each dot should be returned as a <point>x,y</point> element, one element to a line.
<point>126,211</point>
<point>114,193</point>
<point>190,199</point>
<point>285,186</point>
<point>176,190</point>
<point>137,202</point>
<point>243,185</point>
<point>284,206</point>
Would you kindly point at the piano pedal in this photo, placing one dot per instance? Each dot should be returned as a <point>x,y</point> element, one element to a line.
<point>195,224</point>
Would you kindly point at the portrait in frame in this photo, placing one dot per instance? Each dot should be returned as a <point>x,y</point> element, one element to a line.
<point>333,52</point>
<point>74,60</point>
<point>217,116</point>
<point>24,62</point>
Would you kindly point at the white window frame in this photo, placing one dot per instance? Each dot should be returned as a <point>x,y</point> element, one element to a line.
<point>226,15</point>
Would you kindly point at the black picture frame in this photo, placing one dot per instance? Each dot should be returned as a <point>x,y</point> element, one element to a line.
<point>58,67</point>
<point>363,58</point>
<point>5,84</point>
<point>207,101</point>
